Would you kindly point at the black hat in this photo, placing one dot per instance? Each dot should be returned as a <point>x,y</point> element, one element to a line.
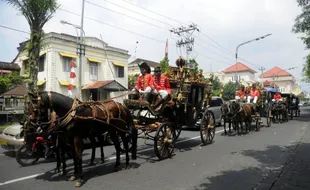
<point>145,66</point>
<point>157,69</point>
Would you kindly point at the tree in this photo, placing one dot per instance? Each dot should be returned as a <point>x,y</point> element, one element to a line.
<point>302,26</point>
<point>195,70</point>
<point>10,81</point>
<point>37,14</point>
<point>216,86</point>
<point>164,64</point>
<point>229,91</point>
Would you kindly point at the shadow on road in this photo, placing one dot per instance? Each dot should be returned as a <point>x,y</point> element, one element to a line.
<point>276,164</point>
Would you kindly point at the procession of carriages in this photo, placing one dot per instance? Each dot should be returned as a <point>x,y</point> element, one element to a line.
<point>187,105</point>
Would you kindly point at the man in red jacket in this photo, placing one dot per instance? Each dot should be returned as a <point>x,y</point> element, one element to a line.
<point>254,94</point>
<point>277,97</point>
<point>160,84</point>
<point>143,84</point>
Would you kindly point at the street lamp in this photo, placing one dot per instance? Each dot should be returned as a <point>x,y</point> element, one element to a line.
<point>80,50</point>
<point>237,48</point>
<point>274,75</point>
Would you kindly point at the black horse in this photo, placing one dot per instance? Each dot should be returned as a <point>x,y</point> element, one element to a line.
<point>228,117</point>
<point>80,119</point>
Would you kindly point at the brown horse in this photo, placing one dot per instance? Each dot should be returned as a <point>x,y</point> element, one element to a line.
<point>228,117</point>
<point>83,118</point>
<point>243,114</point>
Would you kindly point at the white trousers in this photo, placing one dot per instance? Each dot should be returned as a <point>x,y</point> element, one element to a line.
<point>238,97</point>
<point>162,93</point>
<point>278,100</point>
<point>147,89</point>
<point>254,101</point>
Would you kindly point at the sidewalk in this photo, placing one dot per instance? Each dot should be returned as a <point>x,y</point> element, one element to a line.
<point>295,175</point>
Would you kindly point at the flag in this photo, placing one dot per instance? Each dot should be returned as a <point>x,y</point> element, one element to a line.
<point>72,76</point>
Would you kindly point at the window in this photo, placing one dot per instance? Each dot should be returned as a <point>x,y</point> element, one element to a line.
<point>233,78</point>
<point>66,64</point>
<point>216,102</point>
<point>282,89</point>
<point>119,71</point>
<point>93,71</point>
<point>41,63</point>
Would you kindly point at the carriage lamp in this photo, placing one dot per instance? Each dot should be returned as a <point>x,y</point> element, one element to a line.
<point>191,64</point>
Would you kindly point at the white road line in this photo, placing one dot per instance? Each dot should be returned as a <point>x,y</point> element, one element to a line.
<point>109,159</point>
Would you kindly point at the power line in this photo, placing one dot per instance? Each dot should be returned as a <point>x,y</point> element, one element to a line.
<point>136,12</point>
<point>127,16</point>
<point>14,29</point>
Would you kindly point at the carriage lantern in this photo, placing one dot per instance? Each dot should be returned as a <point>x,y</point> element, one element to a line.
<point>191,64</point>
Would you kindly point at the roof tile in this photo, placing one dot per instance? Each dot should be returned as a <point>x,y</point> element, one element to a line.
<point>275,71</point>
<point>240,67</point>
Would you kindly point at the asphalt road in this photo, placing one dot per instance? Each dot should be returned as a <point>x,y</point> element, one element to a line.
<point>231,162</point>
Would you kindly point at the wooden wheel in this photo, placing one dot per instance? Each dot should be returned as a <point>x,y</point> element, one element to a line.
<point>257,124</point>
<point>177,131</point>
<point>207,128</point>
<point>164,141</point>
<point>268,118</point>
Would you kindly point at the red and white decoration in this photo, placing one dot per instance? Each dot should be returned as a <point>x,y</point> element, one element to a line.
<point>72,76</point>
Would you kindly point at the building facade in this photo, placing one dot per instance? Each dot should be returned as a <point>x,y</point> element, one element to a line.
<point>280,78</point>
<point>101,64</point>
<point>244,74</point>
<point>133,67</point>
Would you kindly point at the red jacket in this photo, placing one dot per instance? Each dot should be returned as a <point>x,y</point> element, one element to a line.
<point>144,81</point>
<point>241,93</point>
<point>161,83</point>
<point>277,97</point>
<point>254,93</point>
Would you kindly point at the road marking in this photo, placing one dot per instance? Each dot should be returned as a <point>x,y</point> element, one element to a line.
<point>87,167</point>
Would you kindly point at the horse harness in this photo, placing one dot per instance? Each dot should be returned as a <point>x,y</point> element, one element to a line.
<point>71,114</point>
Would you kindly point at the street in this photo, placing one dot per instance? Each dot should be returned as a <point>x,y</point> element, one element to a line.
<point>250,161</point>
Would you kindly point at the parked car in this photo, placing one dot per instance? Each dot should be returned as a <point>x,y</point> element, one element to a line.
<point>215,107</point>
<point>10,138</point>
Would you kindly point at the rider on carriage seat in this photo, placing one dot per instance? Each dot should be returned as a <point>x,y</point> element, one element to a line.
<point>160,85</point>
<point>254,94</point>
<point>144,81</point>
<point>241,94</point>
<point>277,97</point>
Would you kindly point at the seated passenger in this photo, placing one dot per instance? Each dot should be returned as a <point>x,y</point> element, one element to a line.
<point>277,97</point>
<point>241,94</point>
<point>160,85</point>
<point>254,95</point>
<point>144,81</point>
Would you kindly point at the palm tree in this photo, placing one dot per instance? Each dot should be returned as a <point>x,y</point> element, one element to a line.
<point>37,13</point>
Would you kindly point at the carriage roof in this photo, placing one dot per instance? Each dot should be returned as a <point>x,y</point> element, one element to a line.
<point>270,89</point>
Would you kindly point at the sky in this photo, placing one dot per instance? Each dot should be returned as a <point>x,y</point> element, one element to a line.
<point>223,24</point>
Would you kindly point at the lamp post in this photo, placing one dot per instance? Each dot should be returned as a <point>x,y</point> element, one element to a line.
<point>80,51</point>
<point>274,75</point>
<point>237,48</point>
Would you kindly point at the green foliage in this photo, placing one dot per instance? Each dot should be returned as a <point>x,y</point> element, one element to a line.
<point>302,26</point>
<point>216,86</point>
<point>229,91</point>
<point>164,65</point>
<point>132,79</point>
<point>195,70</point>
<point>10,81</point>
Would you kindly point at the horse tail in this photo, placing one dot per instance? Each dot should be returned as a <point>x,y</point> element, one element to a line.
<point>134,132</point>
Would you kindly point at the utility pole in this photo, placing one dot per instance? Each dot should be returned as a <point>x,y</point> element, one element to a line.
<point>81,51</point>
<point>186,33</point>
<point>261,72</point>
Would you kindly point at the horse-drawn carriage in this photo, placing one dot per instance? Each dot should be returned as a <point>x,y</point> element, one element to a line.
<point>188,102</point>
<point>292,102</point>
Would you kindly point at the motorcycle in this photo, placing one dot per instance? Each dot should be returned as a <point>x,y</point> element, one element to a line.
<point>36,147</point>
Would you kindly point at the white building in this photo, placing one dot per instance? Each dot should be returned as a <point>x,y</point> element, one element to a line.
<point>244,74</point>
<point>104,68</point>
<point>280,78</point>
<point>215,74</point>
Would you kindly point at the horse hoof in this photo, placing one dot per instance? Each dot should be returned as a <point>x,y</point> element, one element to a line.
<point>78,184</point>
<point>72,178</point>
<point>102,161</point>
<point>91,163</point>
<point>127,166</point>
<point>64,173</point>
<point>134,157</point>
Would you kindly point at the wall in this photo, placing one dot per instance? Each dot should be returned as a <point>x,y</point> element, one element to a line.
<point>244,75</point>
<point>285,83</point>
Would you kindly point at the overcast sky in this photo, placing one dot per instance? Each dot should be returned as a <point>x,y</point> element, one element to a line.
<point>221,22</point>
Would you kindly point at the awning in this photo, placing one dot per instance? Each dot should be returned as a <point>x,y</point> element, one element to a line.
<point>39,83</point>
<point>119,64</point>
<point>108,85</point>
<point>68,55</point>
<point>66,83</point>
<point>93,60</point>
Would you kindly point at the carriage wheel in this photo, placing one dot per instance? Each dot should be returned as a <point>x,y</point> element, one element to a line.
<point>177,131</point>
<point>257,124</point>
<point>163,141</point>
<point>207,128</point>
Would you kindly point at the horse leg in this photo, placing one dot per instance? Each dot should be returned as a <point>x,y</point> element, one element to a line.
<point>125,142</point>
<point>134,142</point>
<point>100,141</point>
<point>78,145</point>
<point>114,138</point>
<point>58,159</point>
<point>225,132</point>
<point>93,150</point>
